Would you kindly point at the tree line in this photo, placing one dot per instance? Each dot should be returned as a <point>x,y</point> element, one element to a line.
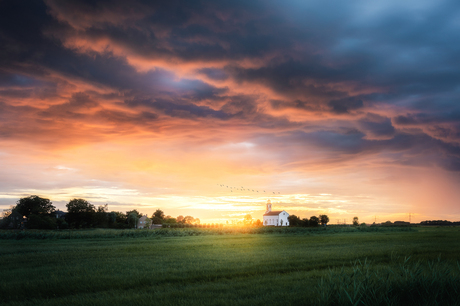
<point>35,212</point>
<point>313,221</point>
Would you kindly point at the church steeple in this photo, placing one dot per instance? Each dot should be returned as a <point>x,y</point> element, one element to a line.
<point>269,207</point>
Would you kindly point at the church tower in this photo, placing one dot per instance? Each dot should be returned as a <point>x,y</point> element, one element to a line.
<point>269,207</point>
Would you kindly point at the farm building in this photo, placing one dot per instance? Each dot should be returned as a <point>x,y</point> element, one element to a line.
<point>144,221</point>
<point>275,218</point>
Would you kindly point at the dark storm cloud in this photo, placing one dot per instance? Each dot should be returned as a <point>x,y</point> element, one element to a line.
<point>188,111</point>
<point>195,30</point>
<point>404,149</point>
<point>345,105</point>
<point>216,74</point>
<point>268,61</point>
<point>377,126</point>
<point>427,118</point>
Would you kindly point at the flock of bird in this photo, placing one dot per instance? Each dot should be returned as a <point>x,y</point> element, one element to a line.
<point>242,189</point>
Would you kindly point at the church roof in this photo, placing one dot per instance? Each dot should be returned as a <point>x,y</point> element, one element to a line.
<point>273,213</point>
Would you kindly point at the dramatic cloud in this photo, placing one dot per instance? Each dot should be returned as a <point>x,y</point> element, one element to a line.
<point>181,94</point>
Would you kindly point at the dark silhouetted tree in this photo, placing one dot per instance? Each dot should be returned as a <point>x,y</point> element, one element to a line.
<point>41,222</point>
<point>102,216</point>
<point>355,221</point>
<point>138,214</point>
<point>314,221</point>
<point>156,220</point>
<point>80,213</point>
<point>324,219</point>
<point>305,222</point>
<point>40,212</point>
<point>121,220</point>
<point>112,219</point>
<point>294,221</point>
<point>132,220</point>
<point>159,214</point>
<point>34,205</point>
<point>120,217</point>
<point>170,220</point>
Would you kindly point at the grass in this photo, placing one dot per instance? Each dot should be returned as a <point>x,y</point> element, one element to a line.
<point>207,268</point>
<point>167,232</point>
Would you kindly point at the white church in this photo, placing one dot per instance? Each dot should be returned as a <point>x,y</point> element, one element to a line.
<point>275,218</point>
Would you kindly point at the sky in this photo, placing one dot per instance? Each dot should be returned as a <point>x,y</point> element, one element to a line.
<point>211,108</point>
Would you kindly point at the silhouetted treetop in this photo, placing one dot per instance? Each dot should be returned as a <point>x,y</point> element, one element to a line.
<point>34,205</point>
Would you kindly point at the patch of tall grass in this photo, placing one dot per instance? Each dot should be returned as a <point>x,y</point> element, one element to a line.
<point>406,283</point>
<point>181,232</point>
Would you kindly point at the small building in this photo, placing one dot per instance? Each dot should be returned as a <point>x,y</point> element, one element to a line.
<point>59,214</point>
<point>275,218</point>
<point>144,221</point>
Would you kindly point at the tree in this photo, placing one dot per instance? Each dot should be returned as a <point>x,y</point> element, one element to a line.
<point>180,219</point>
<point>314,221</point>
<point>158,217</point>
<point>112,218</point>
<point>34,205</point>
<point>120,218</point>
<point>80,213</point>
<point>132,220</point>
<point>138,214</point>
<point>247,219</point>
<point>294,221</point>
<point>156,220</point>
<point>41,222</point>
<point>170,220</point>
<point>324,219</point>
<point>61,224</point>
<point>159,214</point>
<point>355,221</point>
<point>258,223</point>
<point>305,222</point>
<point>188,220</point>
<point>102,216</point>
<point>38,211</point>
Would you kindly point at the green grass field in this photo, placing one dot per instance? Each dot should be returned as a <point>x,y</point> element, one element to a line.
<point>289,267</point>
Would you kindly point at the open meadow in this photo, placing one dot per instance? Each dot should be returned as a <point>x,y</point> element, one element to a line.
<point>248,267</point>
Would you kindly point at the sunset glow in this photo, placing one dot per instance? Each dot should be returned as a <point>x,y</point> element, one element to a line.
<point>339,109</point>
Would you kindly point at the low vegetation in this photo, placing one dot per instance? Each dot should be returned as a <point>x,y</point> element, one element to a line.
<point>187,231</point>
<point>245,266</point>
<point>402,282</point>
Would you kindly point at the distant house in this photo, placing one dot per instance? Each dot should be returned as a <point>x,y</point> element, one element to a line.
<point>275,218</point>
<point>144,221</point>
<point>59,214</point>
